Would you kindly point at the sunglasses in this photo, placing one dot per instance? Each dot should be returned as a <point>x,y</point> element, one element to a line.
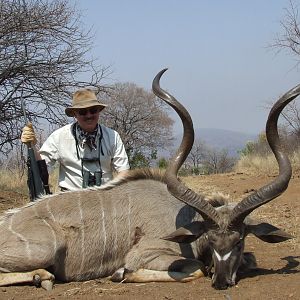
<point>84,111</point>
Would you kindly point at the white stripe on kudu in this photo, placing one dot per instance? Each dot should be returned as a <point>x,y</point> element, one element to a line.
<point>129,222</point>
<point>103,233</point>
<point>82,234</point>
<point>115,228</point>
<point>21,237</point>
<point>49,210</point>
<point>224,257</point>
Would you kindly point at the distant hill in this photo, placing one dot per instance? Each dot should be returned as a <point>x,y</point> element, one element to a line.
<point>219,139</point>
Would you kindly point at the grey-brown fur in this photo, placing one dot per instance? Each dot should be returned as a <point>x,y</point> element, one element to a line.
<point>91,233</point>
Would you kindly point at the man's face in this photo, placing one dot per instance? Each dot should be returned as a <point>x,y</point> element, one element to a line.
<point>87,118</point>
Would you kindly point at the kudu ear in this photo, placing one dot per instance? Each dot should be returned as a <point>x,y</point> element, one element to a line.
<point>186,234</point>
<point>267,232</point>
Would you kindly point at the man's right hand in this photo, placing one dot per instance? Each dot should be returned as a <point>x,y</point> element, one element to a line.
<point>28,135</point>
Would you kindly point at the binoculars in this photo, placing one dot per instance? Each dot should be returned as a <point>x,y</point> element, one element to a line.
<point>90,180</point>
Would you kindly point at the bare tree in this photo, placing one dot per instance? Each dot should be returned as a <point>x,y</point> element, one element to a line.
<point>289,40</point>
<point>194,162</point>
<point>43,58</point>
<point>208,160</point>
<point>197,154</point>
<point>291,117</point>
<point>141,120</point>
<point>218,161</point>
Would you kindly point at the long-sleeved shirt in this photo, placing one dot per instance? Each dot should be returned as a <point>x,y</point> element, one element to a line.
<point>73,157</point>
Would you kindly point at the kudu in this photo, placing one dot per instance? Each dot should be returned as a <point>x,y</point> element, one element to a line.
<point>124,229</point>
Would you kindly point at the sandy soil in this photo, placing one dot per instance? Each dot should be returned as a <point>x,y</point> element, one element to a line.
<point>278,275</point>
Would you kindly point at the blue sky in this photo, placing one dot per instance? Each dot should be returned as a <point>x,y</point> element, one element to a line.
<point>220,65</point>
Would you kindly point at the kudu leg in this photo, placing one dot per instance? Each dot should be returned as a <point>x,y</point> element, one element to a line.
<point>163,268</point>
<point>38,277</point>
<point>146,275</point>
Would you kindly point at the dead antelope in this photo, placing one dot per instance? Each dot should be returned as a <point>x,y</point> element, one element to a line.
<point>117,229</point>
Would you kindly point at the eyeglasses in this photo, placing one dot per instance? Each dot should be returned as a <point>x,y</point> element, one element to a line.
<point>84,111</point>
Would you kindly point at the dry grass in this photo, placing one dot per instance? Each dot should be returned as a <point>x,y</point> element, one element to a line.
<point>252,164</point>
<point>12,180</point>
<point>295,160</point>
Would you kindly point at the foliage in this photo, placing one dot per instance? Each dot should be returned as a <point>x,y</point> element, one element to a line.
<point>162,163</point>
<point>43,55</point>
<point>257,156</point>
<point>141,120</point>
<point>249,149</point>
<point>138,160</point>
<point>260,147</point>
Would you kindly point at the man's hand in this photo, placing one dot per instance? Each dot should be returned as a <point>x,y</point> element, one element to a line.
<point>28,135</point>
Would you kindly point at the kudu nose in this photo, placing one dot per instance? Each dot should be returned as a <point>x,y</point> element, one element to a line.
<point>220,285</point>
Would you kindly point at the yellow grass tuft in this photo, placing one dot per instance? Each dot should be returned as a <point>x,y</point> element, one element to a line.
<point>267,165</point>
<point>12,180</point>
<point>252,164</point>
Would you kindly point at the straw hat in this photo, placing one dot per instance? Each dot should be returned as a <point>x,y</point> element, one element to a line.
<point>83,99</point>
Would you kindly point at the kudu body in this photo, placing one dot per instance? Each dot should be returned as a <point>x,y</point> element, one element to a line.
<point>118,229</point>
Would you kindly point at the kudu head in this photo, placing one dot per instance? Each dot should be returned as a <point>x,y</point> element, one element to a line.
<point>225,228</point>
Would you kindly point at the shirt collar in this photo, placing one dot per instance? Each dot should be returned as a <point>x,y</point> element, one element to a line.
<point>87,138</point>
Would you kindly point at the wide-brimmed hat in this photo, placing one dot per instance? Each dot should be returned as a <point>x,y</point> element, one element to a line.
<point>82,99</point>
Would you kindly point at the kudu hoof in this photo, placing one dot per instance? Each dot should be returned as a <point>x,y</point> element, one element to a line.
<point>43,279</point>
<point>118,276</point>
<point>47,285</point>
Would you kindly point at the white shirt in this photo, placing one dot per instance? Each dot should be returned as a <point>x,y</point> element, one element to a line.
<point>61,147</point>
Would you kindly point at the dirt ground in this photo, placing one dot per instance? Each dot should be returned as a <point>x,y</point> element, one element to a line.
<point>277,276</point>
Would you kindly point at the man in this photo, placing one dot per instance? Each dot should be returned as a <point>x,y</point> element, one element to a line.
<point>86,151</point>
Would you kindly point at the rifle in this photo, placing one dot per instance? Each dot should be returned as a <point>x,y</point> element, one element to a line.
<point>38,176</point>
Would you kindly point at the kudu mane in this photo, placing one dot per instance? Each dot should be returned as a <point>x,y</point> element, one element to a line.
<point>216,199</point>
